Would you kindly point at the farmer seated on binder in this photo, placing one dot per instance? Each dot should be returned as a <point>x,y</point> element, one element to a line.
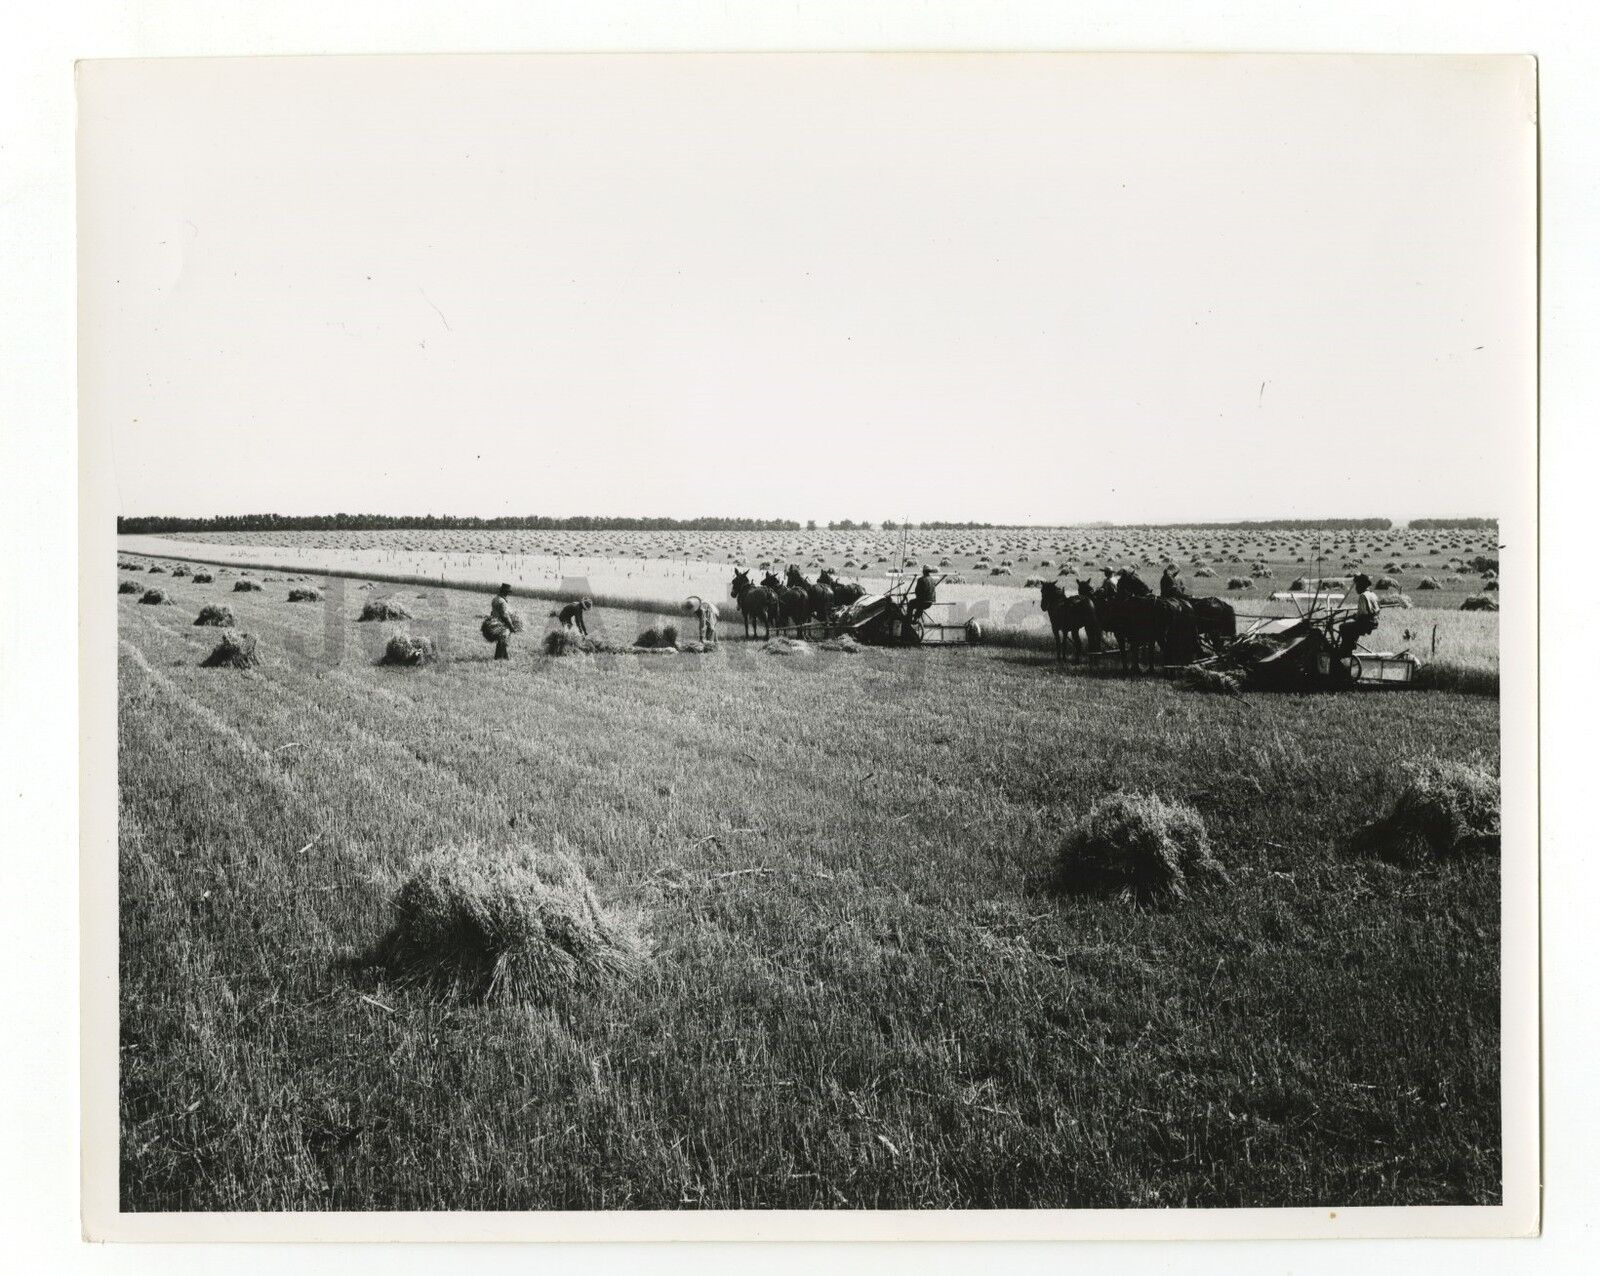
<point>923,595</point>
<point>1365,619</point>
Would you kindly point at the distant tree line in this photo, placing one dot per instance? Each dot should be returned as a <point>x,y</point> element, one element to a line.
<point>1271,525</point>
<point>155,524</point>
<point>1453,524</point>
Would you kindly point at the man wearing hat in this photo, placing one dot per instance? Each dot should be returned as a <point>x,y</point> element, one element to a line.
<point>500,623</point>
<point>1131,585</point>
<point>705,613</point>
<point>1366,617</point>
<point>923,596</point>
<point>571,616</point>
<point>1107,588</point>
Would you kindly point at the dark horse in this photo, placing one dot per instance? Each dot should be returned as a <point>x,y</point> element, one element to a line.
<point>1197,625</point>
<point>1214,617</point>
<point>755,604</point>
<point>819,597</point>
<point>845,592</point>
<point>1176,625</point>
<point>794,605</point>
<point>1139,620</point>
<point>1069,614</point>
<point>1194,625</point>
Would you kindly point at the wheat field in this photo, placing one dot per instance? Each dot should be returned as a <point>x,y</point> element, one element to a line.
<point>863,991</point>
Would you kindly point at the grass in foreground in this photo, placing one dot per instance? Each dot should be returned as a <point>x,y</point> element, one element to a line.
<point>862,992</point>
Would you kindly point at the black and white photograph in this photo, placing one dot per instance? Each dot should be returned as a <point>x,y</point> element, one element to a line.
<point>896,644</point>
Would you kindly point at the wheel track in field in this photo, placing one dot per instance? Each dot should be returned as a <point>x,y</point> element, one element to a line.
<point>175,695</point>
<point>332,728</point>
<point>334,731</point>
<point>338,727</point>
<point>602,694</point>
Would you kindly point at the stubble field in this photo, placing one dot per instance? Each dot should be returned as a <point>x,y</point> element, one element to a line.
<point>863,990</point>
<point>1434,569</point>
<point>652,572</point>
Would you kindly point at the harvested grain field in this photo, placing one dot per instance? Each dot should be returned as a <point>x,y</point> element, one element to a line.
<point>862,984</point>
<point>1007,610</point>
<point>810,634</point>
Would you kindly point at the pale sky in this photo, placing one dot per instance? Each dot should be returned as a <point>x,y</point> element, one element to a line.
<point>1009,289</point>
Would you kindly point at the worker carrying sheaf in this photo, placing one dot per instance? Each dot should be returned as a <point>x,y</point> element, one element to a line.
<point>705,613</point>
<point>571,615</point>
<point>500,624</point>
<point>1366,618</point>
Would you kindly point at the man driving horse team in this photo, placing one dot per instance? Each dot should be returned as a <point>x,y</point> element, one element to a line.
<point>1365,619</point>
<point>923,596</point>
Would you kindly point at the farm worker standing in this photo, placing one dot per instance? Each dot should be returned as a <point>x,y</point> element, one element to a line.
<point>500,623</point>
<point>1366,617</point>
<point>572,615</point>
<point>705,614</point>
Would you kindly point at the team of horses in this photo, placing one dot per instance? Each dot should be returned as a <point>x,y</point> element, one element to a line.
<point>1143,624</point>
<point>794,600</point>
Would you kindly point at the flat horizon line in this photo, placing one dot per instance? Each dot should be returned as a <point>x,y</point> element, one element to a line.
<point>719,522</point>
